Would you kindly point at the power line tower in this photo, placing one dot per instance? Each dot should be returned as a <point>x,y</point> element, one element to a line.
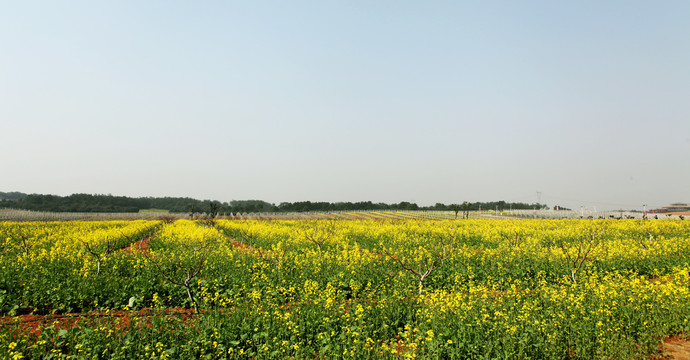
<point>538,197</point>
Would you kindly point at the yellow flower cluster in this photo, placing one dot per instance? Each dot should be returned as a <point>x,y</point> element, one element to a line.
<point>372,289</point>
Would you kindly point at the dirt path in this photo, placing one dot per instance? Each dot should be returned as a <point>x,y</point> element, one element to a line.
<point>677,347</point>
<point>34,324</point>
<point>142,245</point>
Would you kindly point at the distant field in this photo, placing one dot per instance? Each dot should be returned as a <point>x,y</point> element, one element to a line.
<point>154,211</point>
<point>28,215</point>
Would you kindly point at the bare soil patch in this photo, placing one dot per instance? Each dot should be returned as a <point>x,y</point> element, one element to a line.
<point>34,324</point>
<point>674,348</point>
<point>238,244</point>
<point>141,245</point>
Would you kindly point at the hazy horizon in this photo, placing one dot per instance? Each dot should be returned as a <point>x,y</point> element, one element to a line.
<point>586,103</point>
<point>550,206</point>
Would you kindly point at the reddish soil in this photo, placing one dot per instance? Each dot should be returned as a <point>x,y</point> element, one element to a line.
<point>675,347</point>
<point>402,350</point>
<point>141,245</point>
<point>661,279</point>
<point>34,324</point>
<point>247,249</point>
<point>239,245</point>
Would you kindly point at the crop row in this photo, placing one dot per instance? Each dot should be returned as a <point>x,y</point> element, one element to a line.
<point>363,289</point>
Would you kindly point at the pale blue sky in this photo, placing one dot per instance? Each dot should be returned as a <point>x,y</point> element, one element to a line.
<point>388,101</point>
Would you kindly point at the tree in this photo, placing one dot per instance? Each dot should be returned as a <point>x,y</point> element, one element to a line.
<point>420,255</point>
<point>320,232</point>
<point>466,209</point>
<point>212,213</point>
<point>456,208</point>
<point>99,247</point>
<point>575,251</point>
<point>181,267</point>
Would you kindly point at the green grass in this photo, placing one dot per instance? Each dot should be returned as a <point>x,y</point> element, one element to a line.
<point>154,211</point>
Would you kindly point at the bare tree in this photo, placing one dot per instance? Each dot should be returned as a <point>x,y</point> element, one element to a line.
<point>245,237</point>
<point>26,242</point>
<point>456,208</point>
<point>514,239</point>
<point>167,219</point>
<point>183,272</point>
<point>575,253</point>
<point>421,273</point>
<point>647,238</point>
<point>466,209</point>
<point>277,254</point>
<point>320,233</point>
<point>101,252</point>
<point>422,266</point>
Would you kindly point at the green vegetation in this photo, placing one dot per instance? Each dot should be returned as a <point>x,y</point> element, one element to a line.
<point>123,204</point>
<point>465,289</point>
<point>14,195</point>
<point>154,211</point>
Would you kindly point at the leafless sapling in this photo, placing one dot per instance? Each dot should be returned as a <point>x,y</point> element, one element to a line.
<point>26,242</point>
<point>101,251</point>
<point>320,233</point>
<point>575,253</point>
<point>514,239</point>
<point>422,265</point>
<point>183,272</point>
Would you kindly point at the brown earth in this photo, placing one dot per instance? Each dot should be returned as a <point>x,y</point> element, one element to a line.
<point>675,347</point>
<point>238,244</point>
<point>142,245</point>
<point>34,324</point>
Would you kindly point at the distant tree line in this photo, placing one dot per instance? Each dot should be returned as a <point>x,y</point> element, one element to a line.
<point>102,203</point>
<point>110,203</point>
<point>304,206</point>
<point>14,195</point>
